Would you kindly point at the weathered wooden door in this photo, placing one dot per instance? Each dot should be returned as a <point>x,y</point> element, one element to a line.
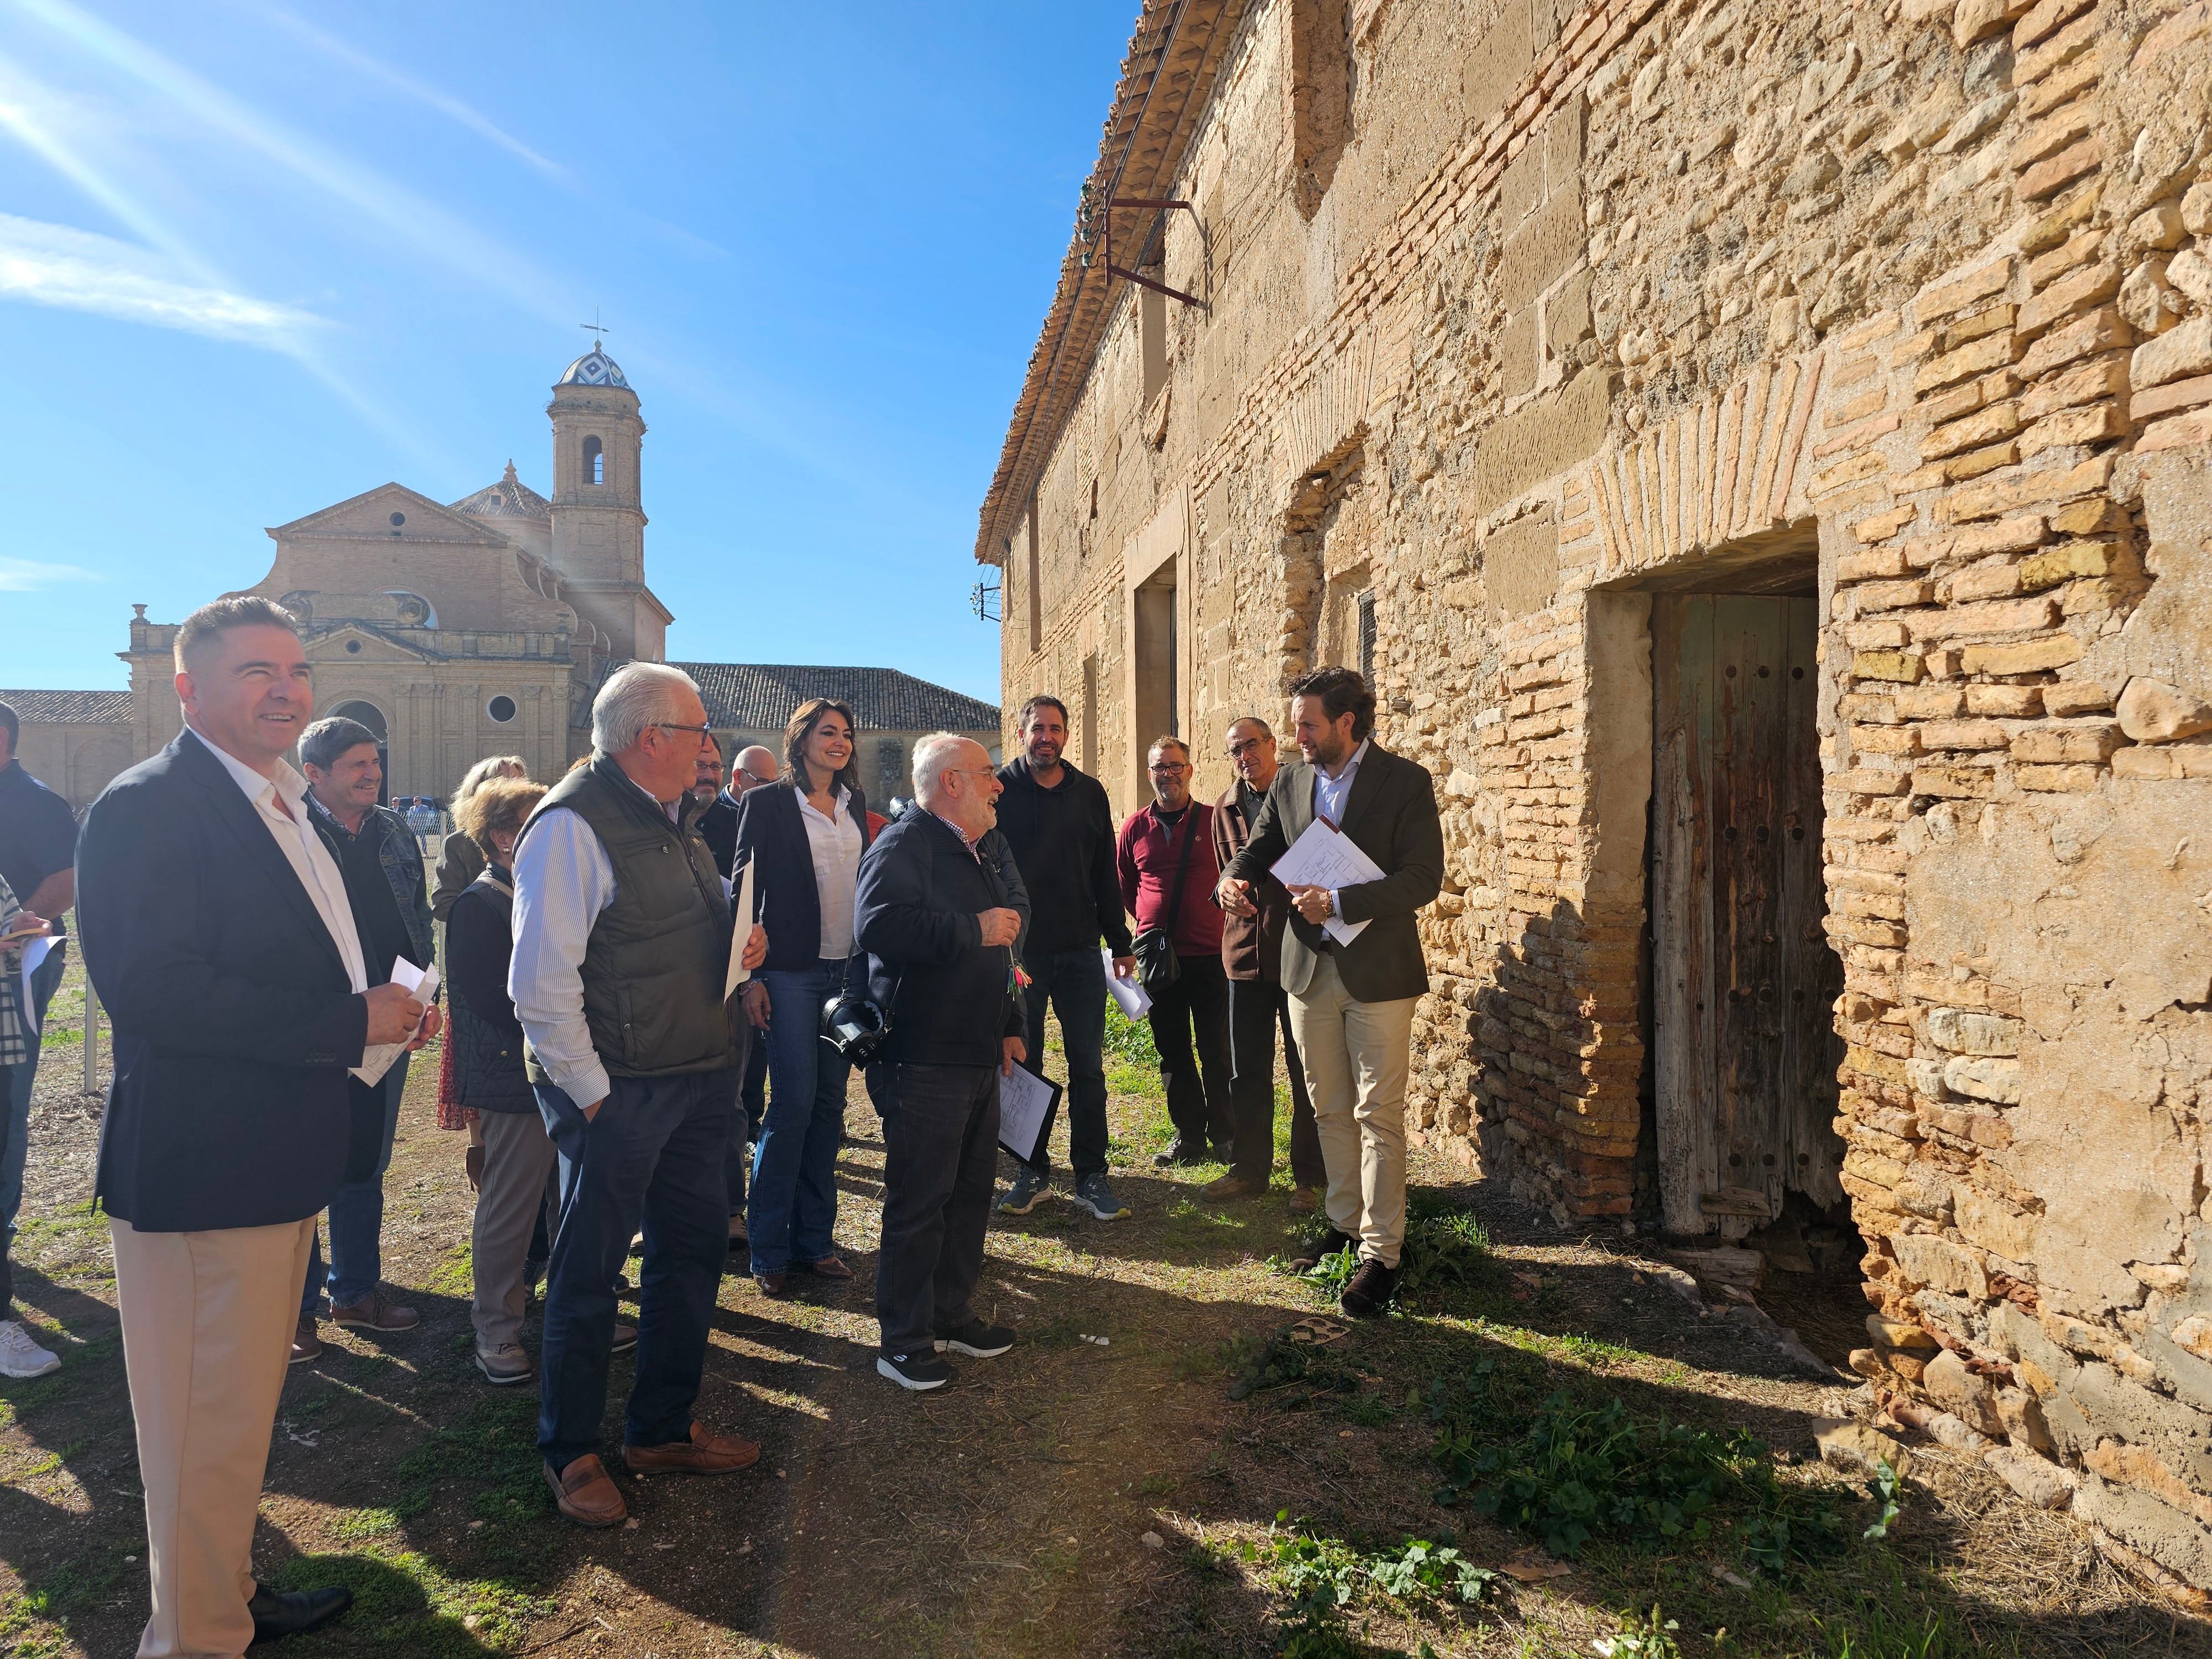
<point>1743,979</point>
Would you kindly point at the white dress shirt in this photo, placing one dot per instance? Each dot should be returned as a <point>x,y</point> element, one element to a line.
<point>834,840</point>
<point>303,849</point>
<point>1329,795</point>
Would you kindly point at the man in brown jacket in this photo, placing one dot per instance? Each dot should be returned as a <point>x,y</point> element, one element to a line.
<point>1252,957</point>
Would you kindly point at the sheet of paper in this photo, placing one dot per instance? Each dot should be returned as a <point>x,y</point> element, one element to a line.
<point>1326,857</point>
<point>422,984</point>
<point>1026,1102</point>
<point>34,954</point>
<point>741,910</point>
<point>1135,1001</point>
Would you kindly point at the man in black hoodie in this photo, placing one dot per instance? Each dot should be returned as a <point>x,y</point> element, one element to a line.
<point>939,922</point>
<point>1061,829</point>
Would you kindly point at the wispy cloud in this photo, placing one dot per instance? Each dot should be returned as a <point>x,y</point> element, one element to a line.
<point>30,576</point>
<point>431,230</point>
<point>445,103</point>
<point>56,265</point>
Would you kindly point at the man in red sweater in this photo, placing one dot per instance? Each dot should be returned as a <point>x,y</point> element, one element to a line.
<point>1164,857</point>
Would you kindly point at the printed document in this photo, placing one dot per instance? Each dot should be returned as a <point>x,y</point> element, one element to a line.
<point>741,911</point>
<point>1026,1108</point>
<point>1326,857</point>
<point>34,956</point>
<point>422,984</point>
<point>1134,999</point>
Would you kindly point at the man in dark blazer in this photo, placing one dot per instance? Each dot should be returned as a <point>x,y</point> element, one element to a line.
<point>217,930</point>
<point>1352,1005</point>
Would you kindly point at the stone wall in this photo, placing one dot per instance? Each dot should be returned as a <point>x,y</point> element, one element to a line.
<point>1558,307</point>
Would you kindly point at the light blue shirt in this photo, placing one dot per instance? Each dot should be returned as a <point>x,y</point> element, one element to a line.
<point>1330,794</point>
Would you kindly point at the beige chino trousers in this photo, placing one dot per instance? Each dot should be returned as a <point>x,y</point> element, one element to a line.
<point>208,1320</point>
<point>1356,1056</point>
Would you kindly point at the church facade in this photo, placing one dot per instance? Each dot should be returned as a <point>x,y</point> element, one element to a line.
<point>484,626</point>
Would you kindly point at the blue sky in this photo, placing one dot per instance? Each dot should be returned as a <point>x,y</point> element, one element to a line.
<point>258,256</point>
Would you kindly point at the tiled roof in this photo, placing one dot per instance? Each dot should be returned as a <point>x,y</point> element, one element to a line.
<point>510,498</point>
<point>90,708</point>
<point>1175,52</point>
<point>750,696</point>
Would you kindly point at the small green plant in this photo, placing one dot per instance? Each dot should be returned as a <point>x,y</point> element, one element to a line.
<point>1887,1486</point>
<point>1642,1636</point>
<point>1424,1569</point>
<point>1324,1575</point>
<point>1284,1363</point>
<point>1129,1040</point>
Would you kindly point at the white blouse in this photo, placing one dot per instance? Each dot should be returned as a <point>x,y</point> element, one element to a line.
<point>835,840</point>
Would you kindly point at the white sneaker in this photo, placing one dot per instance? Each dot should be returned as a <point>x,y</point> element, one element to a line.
<point>20,1357</point>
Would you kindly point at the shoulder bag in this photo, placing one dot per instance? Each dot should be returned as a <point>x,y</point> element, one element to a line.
<point>1154,947</point>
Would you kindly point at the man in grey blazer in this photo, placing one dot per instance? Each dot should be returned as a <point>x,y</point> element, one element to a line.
<point>1352,1006</point>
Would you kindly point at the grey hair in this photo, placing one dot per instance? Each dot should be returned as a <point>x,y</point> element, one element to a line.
<point>636,695</point>
<point>490,767</point>
<point>933,758</point>
<point>326,739</point>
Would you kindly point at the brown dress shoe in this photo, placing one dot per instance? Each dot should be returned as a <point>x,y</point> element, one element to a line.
<point>1305,1200</point>
<point>305,1344</point>
<point>587,1492</point>
<point>705,1453</point>
<point>374,1312</point>
<point>1232,1186</point>
<point>829,1267</point>
<point>770,1284</point>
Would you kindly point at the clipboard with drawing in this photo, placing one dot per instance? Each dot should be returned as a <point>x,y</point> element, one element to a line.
<point>1027,1106</point>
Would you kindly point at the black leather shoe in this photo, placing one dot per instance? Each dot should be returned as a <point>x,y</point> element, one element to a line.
<point>278,1614</point>
<point>1178,1157</point>
<point>1370,1290</point>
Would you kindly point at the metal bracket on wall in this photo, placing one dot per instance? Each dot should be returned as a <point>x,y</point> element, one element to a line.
<point>1114,270</point>
<point>980,600</point>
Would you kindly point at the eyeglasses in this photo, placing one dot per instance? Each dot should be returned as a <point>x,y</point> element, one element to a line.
<point>1238,750</point>
<point>1168,768</point>
<point>703,732</point>
<point>753,777</point>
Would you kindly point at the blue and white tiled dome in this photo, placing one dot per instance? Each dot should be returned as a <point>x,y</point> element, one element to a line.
<point>594,368</point>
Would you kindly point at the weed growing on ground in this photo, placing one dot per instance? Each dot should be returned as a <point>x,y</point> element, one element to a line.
<point>1129,1042</point>
<point>1580,1473</point>
<point>1284,1363</point>
<point>1641,1636</point>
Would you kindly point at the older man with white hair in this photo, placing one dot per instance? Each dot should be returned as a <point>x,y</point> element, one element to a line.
<point>939,910</point>
<point>623,933</point>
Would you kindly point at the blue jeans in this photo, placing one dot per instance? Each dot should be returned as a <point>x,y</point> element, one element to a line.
<point>16,1116</point>
<point>653,1154</point>
<point>1074,982</point>
<point>356,1215</point>
<point>737,1158</point>
<point>793,1212</point>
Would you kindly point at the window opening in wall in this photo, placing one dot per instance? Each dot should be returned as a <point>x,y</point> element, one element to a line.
<point>595,461</point>
<point>1152,339</point>
<point>1321,97</point>
<point>1367,637</point>
<point>500,708</point>
<point>1094,498</point>
<point>1157,697</point>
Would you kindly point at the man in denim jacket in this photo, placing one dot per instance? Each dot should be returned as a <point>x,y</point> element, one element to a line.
<point>382,863</point>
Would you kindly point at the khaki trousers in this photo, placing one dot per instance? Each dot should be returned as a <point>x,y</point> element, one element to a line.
<point>518,1157</point>
<point>208,1320</point>
<point>1355,1057</point>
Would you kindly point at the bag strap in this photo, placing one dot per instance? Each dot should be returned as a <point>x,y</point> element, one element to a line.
<point>1183,868</point>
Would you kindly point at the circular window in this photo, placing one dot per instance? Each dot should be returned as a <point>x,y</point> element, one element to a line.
<point>501,709</point>
<point>353,647</point>
<point>398,519</point>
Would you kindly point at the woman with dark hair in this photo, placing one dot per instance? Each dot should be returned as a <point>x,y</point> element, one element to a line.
<point>805,835</point>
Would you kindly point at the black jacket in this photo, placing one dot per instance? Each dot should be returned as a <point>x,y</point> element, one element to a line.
<point>234,1018</point>
<point>717,827</point>
<point>1063,839</point>
<point>1391,816</point>
<point>947,993</point>
<point>486,1037</point>
<point>771,833</point>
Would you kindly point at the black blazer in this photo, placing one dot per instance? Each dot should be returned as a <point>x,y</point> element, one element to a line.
<point>1390,815</point>
<point>717,827</point>
<point>234,1019</point>
<point>771,833</point>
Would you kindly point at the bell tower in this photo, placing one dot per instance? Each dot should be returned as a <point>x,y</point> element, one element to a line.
<point>599,514</point>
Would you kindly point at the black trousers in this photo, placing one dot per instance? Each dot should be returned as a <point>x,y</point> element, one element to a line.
<point>1256,1008</point>
<point>940,1154</point>
<point>1195,1007</point>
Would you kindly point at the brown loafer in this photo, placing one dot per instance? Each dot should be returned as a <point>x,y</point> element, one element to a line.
<point>705,1453</point>
<point>374,1312</point>
<point>1305,1200</point>
<point>770,1284</point>
<point>305,1344</point>
<point>829,1267</point>
<point>587,1493</point>
<point>1232,1186</point>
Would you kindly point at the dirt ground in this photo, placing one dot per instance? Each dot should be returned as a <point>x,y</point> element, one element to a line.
<point>1096,1491</point>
